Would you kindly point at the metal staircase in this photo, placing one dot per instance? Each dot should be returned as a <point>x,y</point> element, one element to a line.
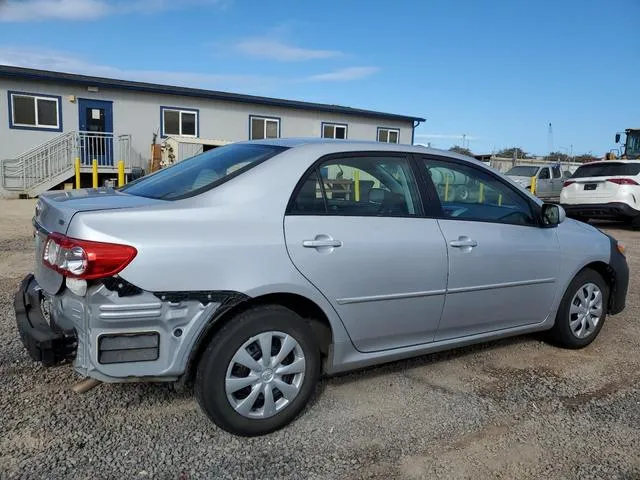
<point>51,163</point>
<point>42,167</point>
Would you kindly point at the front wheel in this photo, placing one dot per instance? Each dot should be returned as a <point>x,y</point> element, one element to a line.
<point>582,311</point>
<point>259,371</point>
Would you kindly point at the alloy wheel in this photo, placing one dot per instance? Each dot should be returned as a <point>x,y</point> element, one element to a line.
<point>586,310</point>
<point>265,374</point>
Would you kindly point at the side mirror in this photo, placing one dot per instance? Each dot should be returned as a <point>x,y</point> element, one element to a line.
<point>617,138</point>
<point>552,214</point>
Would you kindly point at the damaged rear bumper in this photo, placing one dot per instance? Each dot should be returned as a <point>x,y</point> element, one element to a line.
<point>114,334</point>
<point>44,340</point>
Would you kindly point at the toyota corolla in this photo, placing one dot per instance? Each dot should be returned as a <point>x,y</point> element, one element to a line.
<point>253,269</point>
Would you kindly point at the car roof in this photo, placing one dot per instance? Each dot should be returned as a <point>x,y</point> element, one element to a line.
<point>329,145</point>
<point>613,160</point>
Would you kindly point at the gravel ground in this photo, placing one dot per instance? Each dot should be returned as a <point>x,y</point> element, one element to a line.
<point>516,408</point>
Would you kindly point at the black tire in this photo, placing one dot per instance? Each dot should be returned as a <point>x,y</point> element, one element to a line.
<point>635,223</point>
<point>212,368</point>
<point>561,334</point>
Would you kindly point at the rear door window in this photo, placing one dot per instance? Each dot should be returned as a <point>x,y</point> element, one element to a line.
<point>556,172</point>
<point>609,169</point>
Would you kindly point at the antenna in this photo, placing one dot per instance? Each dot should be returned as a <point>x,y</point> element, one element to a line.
<point>550,139</point>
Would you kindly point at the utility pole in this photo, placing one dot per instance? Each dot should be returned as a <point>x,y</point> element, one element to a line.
<point>550,139</point>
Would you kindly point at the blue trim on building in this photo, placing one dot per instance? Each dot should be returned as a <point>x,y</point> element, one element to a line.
<point>413,130</point>
<point>95,103</point>
<point>335,124</point>
<point>194,110</point>
<point>395,129</point>
<point>266,117</point>
<point>85,80</point>
<point>31,94</point>
<point>100,149</point>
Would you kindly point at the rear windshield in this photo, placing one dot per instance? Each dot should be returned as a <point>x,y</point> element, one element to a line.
<point>612,169</point>
<point>523,171</point>
<point>202,172</point>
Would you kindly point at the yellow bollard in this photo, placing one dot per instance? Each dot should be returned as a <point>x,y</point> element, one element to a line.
<point>446,188</point>
<point>482,193</point>
<point>533,185</point>
<point>356,179</point>
<point>77,167</point>
<point>95,173</point>
<point>121,173</point>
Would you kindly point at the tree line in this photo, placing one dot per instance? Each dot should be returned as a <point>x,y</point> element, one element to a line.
<point>519,153</point>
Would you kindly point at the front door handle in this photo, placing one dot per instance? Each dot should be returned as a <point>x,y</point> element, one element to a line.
<point>322,242</point>
<point>463,241</point>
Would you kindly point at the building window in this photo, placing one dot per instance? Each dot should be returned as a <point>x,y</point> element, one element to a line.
<point>33,111</point>
<point>334,130</point>
<point>263,127</point>
<point>179,121</point>
<point>388,135</point>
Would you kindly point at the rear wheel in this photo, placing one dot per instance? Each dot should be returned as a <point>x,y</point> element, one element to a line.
<point>582,311</point>
<point>259,371</point>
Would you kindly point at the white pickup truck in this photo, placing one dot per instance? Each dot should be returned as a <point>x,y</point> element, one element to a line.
<point>549,178</point>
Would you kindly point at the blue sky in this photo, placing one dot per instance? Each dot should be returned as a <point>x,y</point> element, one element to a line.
<point>496,71</point>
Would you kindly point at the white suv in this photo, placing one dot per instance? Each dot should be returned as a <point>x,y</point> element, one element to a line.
<point>604,190</point>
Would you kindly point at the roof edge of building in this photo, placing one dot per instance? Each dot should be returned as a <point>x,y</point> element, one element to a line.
<point>88,80</point>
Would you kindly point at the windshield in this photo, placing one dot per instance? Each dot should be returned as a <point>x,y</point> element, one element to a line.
<point>202,172</point>
<point>608,169</point>
<point>523,171</point>
<point>632,148</point>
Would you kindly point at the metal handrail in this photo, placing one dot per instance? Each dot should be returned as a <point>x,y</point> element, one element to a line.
<point>41,164</point>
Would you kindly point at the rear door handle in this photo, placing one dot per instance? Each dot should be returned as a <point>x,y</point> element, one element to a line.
<point>325,242</point>
<point>462,242</point>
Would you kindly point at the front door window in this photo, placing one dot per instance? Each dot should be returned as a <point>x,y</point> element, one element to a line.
<point>467,193</point>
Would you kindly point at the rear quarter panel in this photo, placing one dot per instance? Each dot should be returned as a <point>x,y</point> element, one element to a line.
<point>230,238</point>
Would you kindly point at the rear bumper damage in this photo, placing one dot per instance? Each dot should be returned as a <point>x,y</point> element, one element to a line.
<point>44,340</point>
<point>114,334</point>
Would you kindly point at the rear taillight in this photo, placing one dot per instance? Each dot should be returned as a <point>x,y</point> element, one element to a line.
<point>84,259</point>
<point>568,182</point>
<point>622,181</point>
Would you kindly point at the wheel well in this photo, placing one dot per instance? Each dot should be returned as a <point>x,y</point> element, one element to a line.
<point>607,275</point>
<point>304,307</point>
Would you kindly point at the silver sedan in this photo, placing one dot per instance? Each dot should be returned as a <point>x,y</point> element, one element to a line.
<point>255,268</point>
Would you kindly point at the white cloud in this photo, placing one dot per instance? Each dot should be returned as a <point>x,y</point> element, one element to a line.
<point>276,50</point>
<point>47,59</point>
<point>38,10</point>
<point>344,74</point>
<point>56,61</point>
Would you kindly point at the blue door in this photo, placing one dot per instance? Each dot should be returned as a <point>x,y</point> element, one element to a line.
<point>96,131</point>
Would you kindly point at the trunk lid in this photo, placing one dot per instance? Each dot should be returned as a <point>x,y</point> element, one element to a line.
<point>54,212</point>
